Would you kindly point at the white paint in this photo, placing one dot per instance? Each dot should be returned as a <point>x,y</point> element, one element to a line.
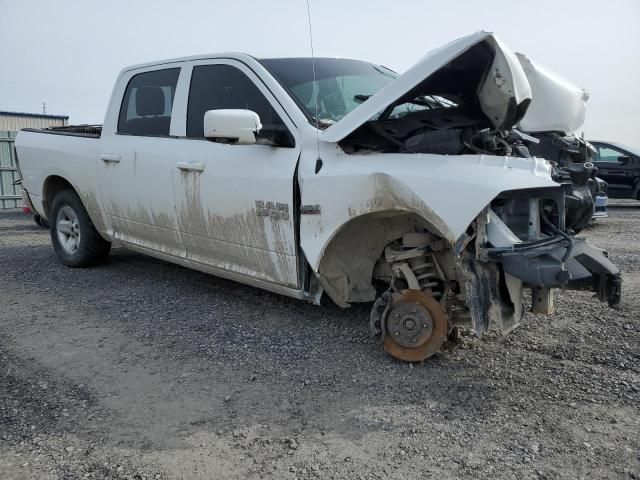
<point>242,125</point>
<point>493,97</point>
<point>207,218</point>
<point>558,105</point>
<point>505,82</point>
<point>498,234</point>
<point>454,189</point>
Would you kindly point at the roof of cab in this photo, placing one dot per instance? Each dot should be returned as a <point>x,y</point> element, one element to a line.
<point>168,61</point>
<point>231,55</point>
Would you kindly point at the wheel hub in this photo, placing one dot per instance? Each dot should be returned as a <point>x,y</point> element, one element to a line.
<point>409,324</point>
<point>68,229</point>
<point>415,326</point>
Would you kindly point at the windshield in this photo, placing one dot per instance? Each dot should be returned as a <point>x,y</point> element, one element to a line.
<point>340,87</point>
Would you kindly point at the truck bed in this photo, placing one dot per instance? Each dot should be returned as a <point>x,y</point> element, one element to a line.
<point>88,131</point>
<point>69,152</point>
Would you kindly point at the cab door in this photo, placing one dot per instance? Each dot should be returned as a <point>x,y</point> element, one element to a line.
<point>235,203</point>
<point>616,168</point>
<point>137,165</point>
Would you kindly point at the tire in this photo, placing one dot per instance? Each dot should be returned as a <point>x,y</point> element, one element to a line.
<point>76,242</point>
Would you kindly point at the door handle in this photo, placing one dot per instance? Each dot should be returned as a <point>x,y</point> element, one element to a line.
<point>191,166</point>
<point>110,157</point>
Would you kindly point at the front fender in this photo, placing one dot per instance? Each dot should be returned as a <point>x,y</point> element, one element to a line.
<point>447,191</point>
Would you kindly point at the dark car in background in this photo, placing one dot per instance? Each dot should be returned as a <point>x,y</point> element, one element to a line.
<point>619,166</point>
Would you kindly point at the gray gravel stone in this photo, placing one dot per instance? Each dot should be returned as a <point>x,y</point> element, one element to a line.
<point>175,374</point>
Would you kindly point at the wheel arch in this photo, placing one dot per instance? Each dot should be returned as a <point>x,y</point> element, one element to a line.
<point>52,185</point>
<point>346,265</point>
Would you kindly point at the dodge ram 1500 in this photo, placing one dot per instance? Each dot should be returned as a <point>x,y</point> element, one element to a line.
<point>309,176</point>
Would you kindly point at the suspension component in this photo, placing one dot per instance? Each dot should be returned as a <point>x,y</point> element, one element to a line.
<point>428,277</point>
<point>414,262</point>
<point>410,318</point>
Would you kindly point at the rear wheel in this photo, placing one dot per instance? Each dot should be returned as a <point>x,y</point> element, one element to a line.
<point>76,241</point>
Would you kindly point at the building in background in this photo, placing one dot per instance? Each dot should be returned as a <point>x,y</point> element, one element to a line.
<point>14,121</point>
<point>10,124</point>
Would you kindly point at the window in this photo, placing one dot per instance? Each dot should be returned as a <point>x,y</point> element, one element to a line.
<point>335,86</point>
<point>607,154</point>
<point>215,87</point>
<point>337,96</point>
<point>147,103</point>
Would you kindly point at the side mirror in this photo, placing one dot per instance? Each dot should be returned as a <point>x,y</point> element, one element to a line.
<point>623,159</point>
<point>235,126</point>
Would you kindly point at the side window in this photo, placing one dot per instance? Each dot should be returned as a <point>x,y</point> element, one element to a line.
<point>147,103</point>
<point>215,87</point>
<point>606,154</point>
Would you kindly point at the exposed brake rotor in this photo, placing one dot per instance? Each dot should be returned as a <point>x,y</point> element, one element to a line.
<point>414,326</point>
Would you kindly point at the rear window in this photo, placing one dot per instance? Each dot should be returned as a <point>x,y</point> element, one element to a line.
<point>147,103</point>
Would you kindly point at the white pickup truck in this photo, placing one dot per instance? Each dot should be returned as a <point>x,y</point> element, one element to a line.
<point>329,176</point>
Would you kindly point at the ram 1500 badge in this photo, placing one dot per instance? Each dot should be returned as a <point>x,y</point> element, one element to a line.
<point>417,192</point>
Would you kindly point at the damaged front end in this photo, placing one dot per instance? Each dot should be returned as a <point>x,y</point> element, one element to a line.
<point>526,240</point>
<point>465,186</point>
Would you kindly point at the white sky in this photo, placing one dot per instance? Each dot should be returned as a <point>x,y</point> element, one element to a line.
<point>68,53</point>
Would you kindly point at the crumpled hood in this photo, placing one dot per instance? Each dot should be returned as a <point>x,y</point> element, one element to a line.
<point>557,106</point>
<point>503,95</point>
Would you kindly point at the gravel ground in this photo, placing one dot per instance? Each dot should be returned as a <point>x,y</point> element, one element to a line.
<point>144,370</point>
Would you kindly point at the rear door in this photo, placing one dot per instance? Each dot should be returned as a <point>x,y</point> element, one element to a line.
<point>235,203</point>
<point>616,168</point>
<point>137,166</point>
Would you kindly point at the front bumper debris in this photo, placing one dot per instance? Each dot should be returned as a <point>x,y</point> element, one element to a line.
<point>540,264</point>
